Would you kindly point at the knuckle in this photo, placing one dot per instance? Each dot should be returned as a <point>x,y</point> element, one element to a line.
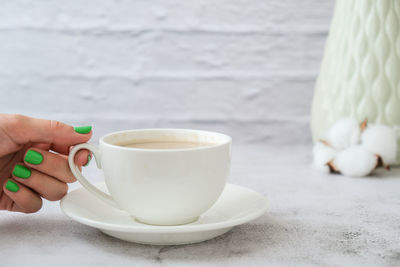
<point>60,194</point>
<point>55,125</point>
<point>71,179</point>
<point>28,207</point>
<point>35,208</point>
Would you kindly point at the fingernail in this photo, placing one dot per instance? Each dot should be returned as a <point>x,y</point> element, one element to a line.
<point>89,158</point>
<point>12,186</point>
<point>33,157</point>
<point>83,129</point>
<point>21,171</point>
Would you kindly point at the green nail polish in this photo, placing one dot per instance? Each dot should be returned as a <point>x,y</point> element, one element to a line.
<point>83,129</point>
<point>89,158</point>
<point>33,157</point>
<point>11,186</point>
<point>22,171</point>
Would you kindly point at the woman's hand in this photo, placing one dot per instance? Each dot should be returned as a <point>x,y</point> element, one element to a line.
<point>29,171</point>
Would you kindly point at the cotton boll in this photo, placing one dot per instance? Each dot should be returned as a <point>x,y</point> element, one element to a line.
<point>381,140</point>
<point>322,154</point>
<point>355,161</point>
<point>344,133</point>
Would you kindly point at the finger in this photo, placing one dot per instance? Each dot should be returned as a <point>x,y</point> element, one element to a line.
<point>52,164</point>
<point>66,149</point>
<point>42,146</point>
<point>46,186</point>
<point>82,158</point>
<point>22,129</point>
<point>25,200</point>
<point>62,149</point>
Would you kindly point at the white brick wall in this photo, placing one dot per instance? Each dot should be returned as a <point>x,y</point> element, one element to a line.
<point>244,67</point>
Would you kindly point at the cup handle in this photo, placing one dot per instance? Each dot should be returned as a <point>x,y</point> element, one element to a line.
<point>84,182</point>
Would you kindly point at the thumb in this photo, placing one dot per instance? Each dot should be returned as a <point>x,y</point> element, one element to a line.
<point>22,129</point>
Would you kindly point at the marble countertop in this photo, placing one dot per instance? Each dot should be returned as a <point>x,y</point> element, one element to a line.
<point>313,219</point>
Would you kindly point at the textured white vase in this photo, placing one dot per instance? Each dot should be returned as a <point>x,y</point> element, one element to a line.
<point>360,71</point>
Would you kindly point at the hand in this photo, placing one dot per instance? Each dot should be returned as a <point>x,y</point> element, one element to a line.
<point>29,171</point>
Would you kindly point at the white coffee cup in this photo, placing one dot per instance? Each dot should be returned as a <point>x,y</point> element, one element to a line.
<point>160,186</point>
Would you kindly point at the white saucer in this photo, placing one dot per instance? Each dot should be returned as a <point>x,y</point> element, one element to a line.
<point>237,205</point>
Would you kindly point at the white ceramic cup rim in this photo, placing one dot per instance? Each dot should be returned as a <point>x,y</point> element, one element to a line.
<point>224,139</point>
